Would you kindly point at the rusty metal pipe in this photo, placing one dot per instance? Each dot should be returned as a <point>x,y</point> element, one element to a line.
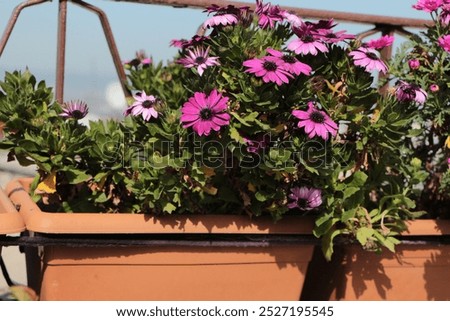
<point>111,43</point>
<point>305,13</point>
<point>13,19</point>
<point>61,51</point>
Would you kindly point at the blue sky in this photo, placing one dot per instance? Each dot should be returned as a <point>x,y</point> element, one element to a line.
<point>89,68</point>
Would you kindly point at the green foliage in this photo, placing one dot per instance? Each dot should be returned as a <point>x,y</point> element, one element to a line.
<point>366,174</point>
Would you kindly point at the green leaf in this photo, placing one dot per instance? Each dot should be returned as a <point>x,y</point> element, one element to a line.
<point>76,176</point>
<point>364,234</point>
<point>169,208</point>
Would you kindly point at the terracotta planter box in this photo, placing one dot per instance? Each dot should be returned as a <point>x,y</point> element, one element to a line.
<point>10,221</point>
<point>418,271</point>
<point>165,272</point>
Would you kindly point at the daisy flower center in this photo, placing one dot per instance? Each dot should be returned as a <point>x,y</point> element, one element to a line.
<point>372,55</point>
<point>303,203</point>
<point>200,60</point>
<point>270,66</point>
<point>317,117</point>
<point>77,114</point>
<point>289,59</point>
<point>206,114</point>
<point>307,38</point>
<point>147,103</point>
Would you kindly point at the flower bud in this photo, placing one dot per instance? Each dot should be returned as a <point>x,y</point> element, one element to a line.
<point>414,64</point>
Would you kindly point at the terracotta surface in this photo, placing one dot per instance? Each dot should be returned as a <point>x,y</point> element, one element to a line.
<point>173,273</point>
<point>417,271</point>
<point>271,272</point>
<point>10,221</point>
<point>414,272</point>
<point>89,223</point>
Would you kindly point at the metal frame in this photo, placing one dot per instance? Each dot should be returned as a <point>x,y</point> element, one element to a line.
<point>62,36</point>
<point>383,24</point>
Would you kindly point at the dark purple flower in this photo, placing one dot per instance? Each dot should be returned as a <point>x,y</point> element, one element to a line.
<point>305,198</point>
<point>406,93</point>
<point>75,109</point>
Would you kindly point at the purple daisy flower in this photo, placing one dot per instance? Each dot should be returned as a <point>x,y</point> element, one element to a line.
<point>380,43</point>
<point>368,58</point>
<point>184,44</point>
<point>271,69</point>
<point>293,19</point>
<point>224,16</point>
<point>316,122</point>
<point>143,105</point>
<point>308,42</point>
<point>199,57</point>
<point>428,5</point>
<point>268,14</point>
<point>205,113</point>
<point>305,198</point>
<point>406,93</point>
<point>444,16</point>
<point>290,63</point>
<point>75,109</point>
<point>329,36</point>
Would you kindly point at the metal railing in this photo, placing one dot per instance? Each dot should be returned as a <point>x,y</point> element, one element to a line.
<point>381,24</point>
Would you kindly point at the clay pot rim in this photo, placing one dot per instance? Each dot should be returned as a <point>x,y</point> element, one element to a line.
<point>10,220</point>
<point>98,223</point>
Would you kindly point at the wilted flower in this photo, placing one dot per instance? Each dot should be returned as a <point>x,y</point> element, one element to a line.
<point>268,14</point>
<point>75,109</point>
<point>410,92</point>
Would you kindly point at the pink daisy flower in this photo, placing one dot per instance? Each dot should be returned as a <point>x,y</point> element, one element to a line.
<point>290,63</point>
<point>414,64</point>
<point>199,57</point>
<point>329,36</point>
<point>444,42</point>
<point>293,19</point>
<point>183,43</point>
<point>444,16</point>
<point>205,113</point>
<point>271,69</point>
<point>143,105</point>
<point>406,93</point>
<point>305,198</point>
<point>380,43</point>
<point>224,16</point>
<point>315,122</point>
<point>75,109</point>
<point>307,42</point>
<point>368,58</point>
<point>428,5</point>
<point>268,14</point>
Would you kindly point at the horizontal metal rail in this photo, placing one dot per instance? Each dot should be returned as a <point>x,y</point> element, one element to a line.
<point>304,13</point>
